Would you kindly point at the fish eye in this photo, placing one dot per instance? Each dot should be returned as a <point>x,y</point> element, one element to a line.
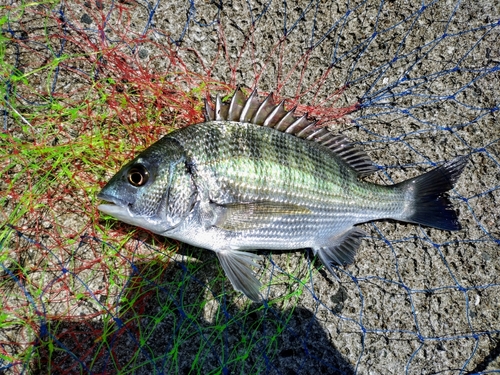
<point>138,175</point>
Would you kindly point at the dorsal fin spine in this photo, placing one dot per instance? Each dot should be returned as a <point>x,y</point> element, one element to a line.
<point>209,112</point>
<point>236,105</point>
<point>314,135</point>
<point>263,110</point>
<point>276,115</point>
<point>287,121</point>
<point>306,128</point>
<point>248,110</point>
<point>218,108</point>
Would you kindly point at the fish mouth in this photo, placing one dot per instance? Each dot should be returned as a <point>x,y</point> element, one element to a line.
<point>116,207</point>
<point>113,210</point>
<point>111,199</point>
<point>120,210</point>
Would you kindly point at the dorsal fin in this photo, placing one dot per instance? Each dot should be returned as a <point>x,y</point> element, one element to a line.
<point>266,113</point>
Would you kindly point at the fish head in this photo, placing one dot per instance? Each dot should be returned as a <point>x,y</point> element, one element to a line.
<point>143,192</point>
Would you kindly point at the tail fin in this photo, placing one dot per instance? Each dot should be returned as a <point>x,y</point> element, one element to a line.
<point>430,206</point>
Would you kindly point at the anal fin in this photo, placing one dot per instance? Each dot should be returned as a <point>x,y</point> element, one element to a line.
<point>341,250</point>
<point>236,265</point>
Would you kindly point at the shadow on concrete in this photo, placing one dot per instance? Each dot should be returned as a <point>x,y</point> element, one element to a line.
<point>167,325</point>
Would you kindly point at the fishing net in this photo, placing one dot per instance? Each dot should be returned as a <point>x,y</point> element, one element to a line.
<point>85,85</point>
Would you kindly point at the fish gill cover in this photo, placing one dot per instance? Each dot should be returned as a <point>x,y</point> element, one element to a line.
<point>85,85</point>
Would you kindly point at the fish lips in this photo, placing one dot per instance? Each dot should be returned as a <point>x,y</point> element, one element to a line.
<point>110,198</point>
<point>119,209</point>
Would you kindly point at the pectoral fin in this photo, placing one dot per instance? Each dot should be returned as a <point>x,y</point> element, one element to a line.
<point>236,265</point>
<point>341,250</point>
<point>246,216</point>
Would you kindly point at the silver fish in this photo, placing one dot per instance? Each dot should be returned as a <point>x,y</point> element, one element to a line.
<point>255,176</point>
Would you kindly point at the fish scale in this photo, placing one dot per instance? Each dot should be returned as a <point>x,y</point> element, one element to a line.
<point>255,176</point>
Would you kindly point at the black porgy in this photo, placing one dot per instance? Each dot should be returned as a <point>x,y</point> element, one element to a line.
<point>255,176</point>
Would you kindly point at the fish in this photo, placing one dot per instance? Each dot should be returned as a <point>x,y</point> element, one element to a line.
<point>254,176</point>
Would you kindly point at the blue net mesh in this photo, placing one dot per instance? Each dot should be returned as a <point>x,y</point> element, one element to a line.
<point>85,84</point>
